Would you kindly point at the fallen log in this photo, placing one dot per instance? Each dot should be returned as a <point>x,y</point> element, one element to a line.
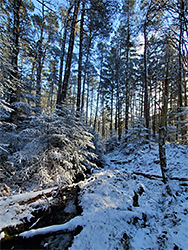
<point>153,176</point>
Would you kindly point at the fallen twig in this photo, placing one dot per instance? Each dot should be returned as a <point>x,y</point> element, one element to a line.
<point>153,176</point>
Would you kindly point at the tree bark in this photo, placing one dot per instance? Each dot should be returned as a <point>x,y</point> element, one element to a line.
<point>163,128</point>
<point>15,50</point>
<point>180,99</point>
<point>103,114</point>
<point>97,104</point>
<point>91,105</point>
<point>146,97</point>
<point>127,77</point>
<point>154,112</point>
<point>62,54</point>
<point>85,71</point>
<point>63,96</point>
<point>39,63</point>
<point>111,109</point>
<point>80,57</point>
<point>87,100</point>
<point>14,77</point>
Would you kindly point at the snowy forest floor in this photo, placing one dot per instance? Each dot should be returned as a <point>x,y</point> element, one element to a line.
<point>121,209</point>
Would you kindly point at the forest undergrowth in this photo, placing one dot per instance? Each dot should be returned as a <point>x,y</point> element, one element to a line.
<point>62,190</point>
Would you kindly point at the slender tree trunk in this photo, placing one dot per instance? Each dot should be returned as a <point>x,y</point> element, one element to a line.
<point>87,100</point>
<point>142,103</point>
<point>97,104</point>
<point>163,128</point>
<point>62,54</point>
<point>185,88</point>
<point>91,106</point>
<point>126,111</point>
<point>180,127</point>
<point>50,96</point>
<point>98,94</point>
<point>154,111</point>
<point>31,80</point>
<point>118,112</point>
<point>63,96</point>
<point>116,117</point>
<point>111,109</point>
<point>103,114</point>
<point>80,57</point>
<point>180,99</point>
<point>85,71</point>
<point>146,97</point>
<point>127,79</point>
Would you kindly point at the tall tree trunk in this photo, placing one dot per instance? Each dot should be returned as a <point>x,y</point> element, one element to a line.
<point>127,75</point>
<point>14,96</point>
<point>180,99</point>
<point>116,117</point>
<point>97,104</point>
<point>98,94</point>
<point>154,111</point>
<point>118,112</point>
<point>185,87</point>
<point>85,70</point>
<point>103,114</point>
<point>62,54</point>
<point>63,95</point>
<point>91,106</point>
<point>163,128</point>
<point>146,97</point>
<point>50,96</point>
<point>181,129</point>
<point>39,63</point>
<point>31,80</point>
<point>87,100</point>
<point>15,50</point>
<point>111,109</point>
<point>80,57</point>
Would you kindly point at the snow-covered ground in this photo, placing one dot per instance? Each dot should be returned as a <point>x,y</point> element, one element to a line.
<point>111,221</point>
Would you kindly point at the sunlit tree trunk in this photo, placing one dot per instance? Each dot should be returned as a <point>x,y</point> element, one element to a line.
<point>63,96</point>
<point>62,54</point>
<point>97,104</point>
<point>85,71</point>
<point>80,57</point>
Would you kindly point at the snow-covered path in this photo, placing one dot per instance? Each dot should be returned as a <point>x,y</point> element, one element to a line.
<point>112,222</point>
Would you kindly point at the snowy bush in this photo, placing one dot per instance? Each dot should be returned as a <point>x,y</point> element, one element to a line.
<point>48,150</point>
<point>111,143</point>
<point>135,138</point>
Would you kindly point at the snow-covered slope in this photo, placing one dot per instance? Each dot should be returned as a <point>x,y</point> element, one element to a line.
<point>125,210</point>
<point>158,221</point>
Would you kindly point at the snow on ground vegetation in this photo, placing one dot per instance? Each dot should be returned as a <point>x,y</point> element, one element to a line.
<point>44,151</point>
<point>125,204</point>
<point>123,210</point>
